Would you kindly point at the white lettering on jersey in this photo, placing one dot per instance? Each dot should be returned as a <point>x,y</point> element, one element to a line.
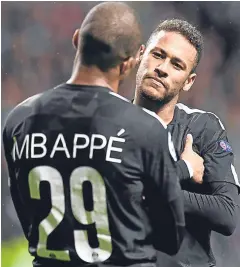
<point>57,147</point>
<point>36,141</point>
<point>111,148</point>
<point>94,146</point>
<point>38,145</point>
<point>76,146</point>
<point>25,145</point>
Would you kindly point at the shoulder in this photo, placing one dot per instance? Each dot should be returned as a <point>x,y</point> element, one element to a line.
<point>201,119</point>
<point>159,138</point>
<point>147,129</point>
<point>140,115</point>
<point>20,112</point>
<point>206,128</point>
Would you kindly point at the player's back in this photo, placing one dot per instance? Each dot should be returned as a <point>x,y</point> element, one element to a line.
<point>79,166</point>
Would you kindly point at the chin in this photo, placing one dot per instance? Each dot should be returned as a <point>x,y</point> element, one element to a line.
<point>152,94</point>
<point>156,96</point>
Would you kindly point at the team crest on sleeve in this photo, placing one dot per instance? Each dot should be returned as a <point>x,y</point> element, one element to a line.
<point>225,146</point>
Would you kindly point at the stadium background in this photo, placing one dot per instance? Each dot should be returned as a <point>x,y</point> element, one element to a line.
<point>37,54</point>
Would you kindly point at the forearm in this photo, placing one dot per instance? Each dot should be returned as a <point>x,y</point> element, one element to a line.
<point>220,209</point>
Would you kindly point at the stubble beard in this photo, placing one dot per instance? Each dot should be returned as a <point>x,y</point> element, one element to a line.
<point>156,100</point>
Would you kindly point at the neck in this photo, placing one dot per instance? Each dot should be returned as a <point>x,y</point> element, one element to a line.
<point>85,75</point>
<point>165,111</point>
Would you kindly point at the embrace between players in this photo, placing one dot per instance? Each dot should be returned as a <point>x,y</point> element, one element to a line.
<point>99,181</point>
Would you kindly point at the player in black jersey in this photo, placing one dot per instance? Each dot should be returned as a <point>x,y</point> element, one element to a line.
<point>168,66</point>
<point>92,176</point>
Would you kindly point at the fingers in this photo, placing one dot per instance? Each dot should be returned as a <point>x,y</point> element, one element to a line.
<point>189,142</point>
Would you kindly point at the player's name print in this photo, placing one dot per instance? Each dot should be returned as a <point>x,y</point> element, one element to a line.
<point>36,145</point>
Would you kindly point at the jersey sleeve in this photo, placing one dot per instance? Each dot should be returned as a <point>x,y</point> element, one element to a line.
<point>220,210</point>
<point>13,185</point>
<point>217,153</point>
<point>164,193</point>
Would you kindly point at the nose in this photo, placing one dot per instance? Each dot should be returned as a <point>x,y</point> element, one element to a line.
<point>161,69</point>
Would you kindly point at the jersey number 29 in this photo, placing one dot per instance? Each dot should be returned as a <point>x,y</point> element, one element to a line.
<point>98,215</point>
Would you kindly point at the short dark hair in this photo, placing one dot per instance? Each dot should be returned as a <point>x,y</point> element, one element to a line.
<point>190,32</point>
<point>109,34</point>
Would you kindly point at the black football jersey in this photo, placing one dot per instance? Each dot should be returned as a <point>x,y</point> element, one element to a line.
<point>211,143</point>
<point>89,177</point>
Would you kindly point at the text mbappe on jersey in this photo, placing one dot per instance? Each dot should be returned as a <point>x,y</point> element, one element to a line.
<point>34,146</point>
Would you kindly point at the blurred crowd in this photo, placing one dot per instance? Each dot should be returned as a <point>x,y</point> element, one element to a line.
<point>37,54</point>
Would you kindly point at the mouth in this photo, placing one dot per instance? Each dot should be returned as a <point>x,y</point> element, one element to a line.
<point>157,82</point>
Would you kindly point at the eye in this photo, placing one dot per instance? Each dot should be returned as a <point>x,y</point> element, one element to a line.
<point>177,66</point>
<point>157,55</point>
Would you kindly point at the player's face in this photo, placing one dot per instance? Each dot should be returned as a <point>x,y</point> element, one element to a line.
<point>166,66</point>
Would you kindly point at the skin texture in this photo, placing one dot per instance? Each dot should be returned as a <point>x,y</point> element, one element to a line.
<point>94,25</point>
<point>169,58</point>
<point>164,71</point>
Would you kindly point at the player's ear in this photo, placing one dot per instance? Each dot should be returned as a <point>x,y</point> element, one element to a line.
<point>140,53</point>
<point>189,82</point>
<point>127,66</point>
<point>75,39</point>
<point>130,63</point>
